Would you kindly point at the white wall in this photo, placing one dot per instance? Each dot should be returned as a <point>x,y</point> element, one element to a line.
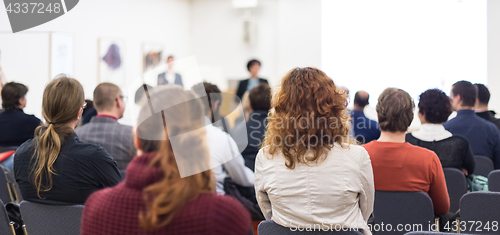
<point>288,34</point>
<point>493,24</point>
<point>135,22</point>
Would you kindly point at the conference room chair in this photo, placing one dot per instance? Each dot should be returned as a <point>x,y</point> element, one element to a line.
<point>41,219</point>
<point>269,227</point>
<point>484,165</point>
<point>494,181</point>
<point>6,227</point>
<point>7,192</point>
<point>393,208</point>
<point>457,186</point>
<point>480,210</point>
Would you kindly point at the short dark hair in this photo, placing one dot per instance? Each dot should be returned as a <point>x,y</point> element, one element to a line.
<point>260,97</point>
<point>361,101</point>
<point>141,92</point>
<point>251,63</point>
<point>395,110</point>
<point>435,105</point>
<point>11,93</point>
<point>170,56</point>
<point>467,92</point>
<point>483,94</point>
<point>213,94</point>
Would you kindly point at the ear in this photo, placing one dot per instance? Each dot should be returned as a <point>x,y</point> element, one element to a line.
<point>216,105</point>
<point>79,114</point>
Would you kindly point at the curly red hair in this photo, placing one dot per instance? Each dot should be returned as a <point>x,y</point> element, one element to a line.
<point>309,116</point>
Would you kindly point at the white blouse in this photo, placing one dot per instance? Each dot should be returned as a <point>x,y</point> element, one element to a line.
<point>337,192</point>
<point>431,132</point>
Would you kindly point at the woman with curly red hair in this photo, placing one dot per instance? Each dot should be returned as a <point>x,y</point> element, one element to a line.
<point>308,174</point>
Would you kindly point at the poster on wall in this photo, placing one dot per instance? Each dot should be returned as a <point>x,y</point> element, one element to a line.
<point>153,62</point>
<point>62,54</point>
<point>111,61</point>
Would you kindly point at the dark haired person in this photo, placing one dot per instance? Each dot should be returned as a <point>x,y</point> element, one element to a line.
<point>155,198</point>
<point>88,112</point>
<point>15,126</point>
<point>483,136</point>
<point>398,165</point>
<point>312,174</point>
<point>56,167</point>
<point>253,66</point>
<point>481,107</point>
<point>170,76</point>
<point>260,103</point>
<point>434,108</point>
<point>365,130</point>
<point>104,128</point>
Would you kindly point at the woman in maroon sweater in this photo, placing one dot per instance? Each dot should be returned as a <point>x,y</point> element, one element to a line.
<point>163,193</point>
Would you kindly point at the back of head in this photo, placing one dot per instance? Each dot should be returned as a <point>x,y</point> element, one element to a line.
<point>260,97</point>
<point>395,110</point>
<point>467,92</point>
<point>361,99</point>
<point>435,105</point>
<point>11,93</point>
<point>213,94</point>
<point>176,125</point>
<point>483,94</point>
<point>105,95</point>
<point>62,101</point>
<point>142,92</point>
<point>309,107</point>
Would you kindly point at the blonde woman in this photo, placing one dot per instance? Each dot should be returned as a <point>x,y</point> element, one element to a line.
<point>56,167</point>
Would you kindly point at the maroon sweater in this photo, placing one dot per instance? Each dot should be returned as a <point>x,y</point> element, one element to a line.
<point>116,210</point>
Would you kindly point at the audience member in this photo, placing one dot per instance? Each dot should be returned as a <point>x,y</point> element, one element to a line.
<point>260,102</point>
<point>400,166</point>
<point>308,172</point>
<point>481,106</point>
<point>253,67</point>
<point>238,132</point>
<point>104,128</point>
<point>56,167</point>
<point>158,199</point>
<point>142,92</point>
<point>365,130</point>
<point>483,136</point>
<point>223,149</point>
<point>88,112</point>
<point>434,108</point>
<point>170,77</point>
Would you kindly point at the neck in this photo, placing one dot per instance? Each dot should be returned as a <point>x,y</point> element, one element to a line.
<point>397,137</point>
<point>254,76</point>
<point>482,108</point>
<point>72,124</point>
<point>109,113</point>
<point>465,108</point>
<point>358,108</point>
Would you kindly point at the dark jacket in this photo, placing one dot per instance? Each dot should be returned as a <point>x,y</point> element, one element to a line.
<point>365,130</point>
<point>490,116</point>
<point>116,210</point>
<point>16,127</point>
<point>80,170</point>
<point>452,152</point>
<point>256,129</point>
<point>242,87</point>
<point>483,136</point>
<point>162,79</point>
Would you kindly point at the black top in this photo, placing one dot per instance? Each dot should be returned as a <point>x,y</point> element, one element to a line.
<point>256,130</point>
<point>490,116</point>
<point>452,152</point>
<point>16,127</point>
<point>242,87</point>
<point>81,169</point>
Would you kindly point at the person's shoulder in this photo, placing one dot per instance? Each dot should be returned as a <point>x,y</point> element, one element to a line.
<point>25,147</point>
<point>356,153</point>
<point>458,139</point>
<point>422,152</point>
<point>228,207</point>
<point>87,150</point>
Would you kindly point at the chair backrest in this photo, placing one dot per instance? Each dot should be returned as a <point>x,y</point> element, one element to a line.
<point>269,227</point>
<point>5,188</point>
<point>41,219</point>
<point>494,181</point>
<point>484,165</point>
<point>123,173</point>
<point>457,186</point>
<point>394,208</point>
<point>480,210</point>
<point>6,227</point>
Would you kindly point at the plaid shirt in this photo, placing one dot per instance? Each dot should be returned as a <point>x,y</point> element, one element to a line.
<point>115,138</point>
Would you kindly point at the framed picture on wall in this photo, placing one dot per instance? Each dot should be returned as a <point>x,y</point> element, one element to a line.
<point>111,61</point>
<point>62,54</point>
<point>152,55</point>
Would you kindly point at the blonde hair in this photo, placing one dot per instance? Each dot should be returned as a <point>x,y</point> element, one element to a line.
<point>62,100</point>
